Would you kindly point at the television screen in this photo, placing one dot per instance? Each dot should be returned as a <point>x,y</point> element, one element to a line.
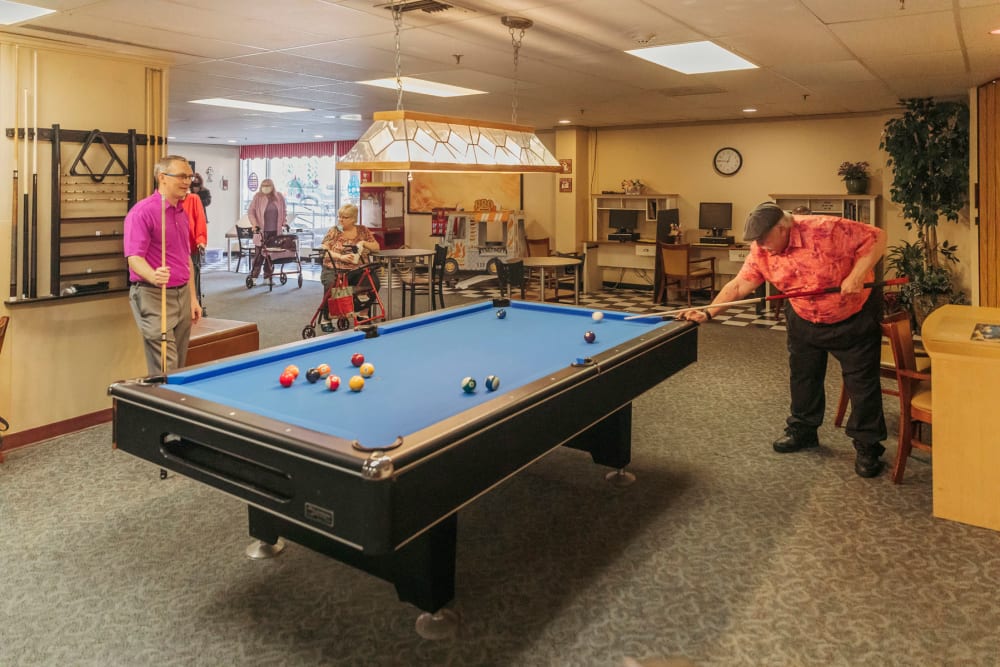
<point>624,220</point>
<point>715,215</point>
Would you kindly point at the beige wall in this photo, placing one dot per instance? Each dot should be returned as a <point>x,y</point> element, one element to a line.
<point>224,210</point>
<point>60,355</point>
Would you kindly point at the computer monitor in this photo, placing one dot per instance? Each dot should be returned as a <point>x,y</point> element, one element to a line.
<point>623,221</point>
<point>716,216</point>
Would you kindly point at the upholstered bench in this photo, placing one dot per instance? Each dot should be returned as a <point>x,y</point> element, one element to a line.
<point>213,339</point>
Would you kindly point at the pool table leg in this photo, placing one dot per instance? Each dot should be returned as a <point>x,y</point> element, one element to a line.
<point>609,441</point>
<point>423,571</point>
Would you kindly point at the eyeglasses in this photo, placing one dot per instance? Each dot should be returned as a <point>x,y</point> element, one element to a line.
<point>183,177</point>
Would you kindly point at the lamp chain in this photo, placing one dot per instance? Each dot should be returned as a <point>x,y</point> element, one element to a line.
<point>515,40</point>
<point>397,22</point>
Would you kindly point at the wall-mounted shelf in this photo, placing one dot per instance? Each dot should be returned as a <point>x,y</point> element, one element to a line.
<point>863,208</point>
<point>648,205</point>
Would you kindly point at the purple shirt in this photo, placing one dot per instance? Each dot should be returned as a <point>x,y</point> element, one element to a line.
<point>142,238</point>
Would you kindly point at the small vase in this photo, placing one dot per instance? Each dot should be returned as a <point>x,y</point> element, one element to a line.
<point>634,190</point>
<point>857,186</point>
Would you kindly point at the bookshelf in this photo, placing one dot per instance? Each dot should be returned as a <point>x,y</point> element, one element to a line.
<point>863,208</point>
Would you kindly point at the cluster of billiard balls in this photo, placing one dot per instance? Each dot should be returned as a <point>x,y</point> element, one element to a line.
<point>322,372</point>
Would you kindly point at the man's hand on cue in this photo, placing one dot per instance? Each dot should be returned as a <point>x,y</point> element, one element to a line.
<point>700,315</point>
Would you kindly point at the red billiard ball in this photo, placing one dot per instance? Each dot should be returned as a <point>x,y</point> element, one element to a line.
<point>590,336</point>
<point>332,382</point>
<point>357,359</point>
<point>286,379</point>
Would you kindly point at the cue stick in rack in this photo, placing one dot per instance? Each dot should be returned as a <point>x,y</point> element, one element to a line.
<point>24,189</point>
<point>33,285</point>
<point>13,200</point>
<point>668,314</point>
<point>163,287</point>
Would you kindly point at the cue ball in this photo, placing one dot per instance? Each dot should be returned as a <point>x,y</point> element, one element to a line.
<point>367,370</point>
<point>356,383</point>
<point>492,383</point>
<point>598,316</point>
<point>332,382</point>
<point>293,369</point>
<point>590,336</point>
<point>313,375</point>
<point>357,358</point>
<point>286,379</point>
<point>468,385</point>
<point>501,314</point>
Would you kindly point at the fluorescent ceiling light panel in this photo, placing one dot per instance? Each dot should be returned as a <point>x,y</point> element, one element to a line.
<point>243,104</point>
<point>15,12</point>
<point>693,58</point>
<point>422,87</point>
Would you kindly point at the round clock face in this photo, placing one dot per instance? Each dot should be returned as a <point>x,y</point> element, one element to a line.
<point>727,161</point>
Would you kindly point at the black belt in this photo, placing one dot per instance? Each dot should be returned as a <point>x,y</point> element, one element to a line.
<point>143,283</point>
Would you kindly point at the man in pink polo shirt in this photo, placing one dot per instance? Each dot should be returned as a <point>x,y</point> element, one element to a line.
<point>149,219</point>
<point>811,252</point>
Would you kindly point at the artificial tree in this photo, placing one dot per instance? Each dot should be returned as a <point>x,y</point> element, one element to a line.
<point>928,147</point>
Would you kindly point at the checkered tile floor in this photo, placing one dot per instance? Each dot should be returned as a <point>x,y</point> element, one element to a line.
<point>628,300</point>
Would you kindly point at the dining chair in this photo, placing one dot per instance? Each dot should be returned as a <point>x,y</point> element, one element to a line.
<point>422,280</point>
<point>915,398</point>
<point>686,273</point>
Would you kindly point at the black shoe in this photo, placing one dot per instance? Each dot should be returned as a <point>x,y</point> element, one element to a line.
<point>793,441</point>
<point>866,462</point>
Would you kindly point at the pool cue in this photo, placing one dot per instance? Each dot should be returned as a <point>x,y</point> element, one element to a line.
<point>13,199</point>
<point>33,284</point>
<point>24,189</point>
<point>666,314</point>
<point>163,287</point>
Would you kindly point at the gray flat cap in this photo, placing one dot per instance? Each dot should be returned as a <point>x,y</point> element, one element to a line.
<point>761,220</point>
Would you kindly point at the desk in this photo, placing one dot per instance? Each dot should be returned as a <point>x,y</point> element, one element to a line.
<point>965,458</point>
<point>554,262</point>
<point>404,256</point>
<point>301,458</point>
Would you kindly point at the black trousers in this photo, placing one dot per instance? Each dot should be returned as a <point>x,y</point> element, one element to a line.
<point>856,343</point>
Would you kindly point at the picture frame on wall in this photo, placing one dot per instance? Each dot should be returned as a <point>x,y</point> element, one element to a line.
<point>567,165</point>
<point>429,190</point>
<point>565,185</point>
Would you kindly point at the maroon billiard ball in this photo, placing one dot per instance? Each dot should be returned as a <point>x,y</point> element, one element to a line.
<point>357,359</point>
<point>590,336</point>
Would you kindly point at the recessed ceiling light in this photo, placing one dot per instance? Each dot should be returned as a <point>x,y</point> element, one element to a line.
<point>231,141</point>
<point>244,104</point>
<point>750,110</point>
<point>15,12</point>
<point>422,87</point>
<point>350,116</point>
<point>171,137</point>
<point>565,121</point>
<point>317,136</point>
<point>693,58</point>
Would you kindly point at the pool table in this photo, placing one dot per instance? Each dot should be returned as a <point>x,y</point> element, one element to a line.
<point>376,478</point>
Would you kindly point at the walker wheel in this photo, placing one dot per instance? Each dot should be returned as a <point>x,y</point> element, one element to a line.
<point>283,279</point>
<point>343,323</point>
<point>249,282</point>
<point>309,332</point>
<point>300,280</point>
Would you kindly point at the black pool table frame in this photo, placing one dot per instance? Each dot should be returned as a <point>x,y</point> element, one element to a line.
<point>394,513</point>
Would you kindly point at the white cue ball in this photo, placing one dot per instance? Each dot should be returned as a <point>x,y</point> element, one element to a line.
<point>598,316</point>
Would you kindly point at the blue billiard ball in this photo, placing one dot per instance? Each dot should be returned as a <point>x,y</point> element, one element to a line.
<point>468,385</point>
<point>590,336</point>
<point>501,314</point>
<point>492,383</point>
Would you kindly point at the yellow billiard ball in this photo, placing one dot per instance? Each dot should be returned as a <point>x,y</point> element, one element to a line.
<point>356,383</point>
<point>367,369</point>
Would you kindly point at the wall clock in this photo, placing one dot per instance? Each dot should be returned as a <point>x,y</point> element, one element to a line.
<point>727,161</point>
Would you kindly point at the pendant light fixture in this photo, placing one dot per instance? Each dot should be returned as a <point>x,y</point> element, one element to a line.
<point>411,141</point>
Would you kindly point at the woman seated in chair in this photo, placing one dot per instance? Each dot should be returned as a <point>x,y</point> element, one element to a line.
<point>348,248</point>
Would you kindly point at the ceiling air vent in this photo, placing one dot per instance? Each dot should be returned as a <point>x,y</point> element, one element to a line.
<point>429,6</point>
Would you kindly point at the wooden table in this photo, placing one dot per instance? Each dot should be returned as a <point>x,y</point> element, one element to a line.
<point>404,256</point>
<point>554,262</point>
<point>966,382</point>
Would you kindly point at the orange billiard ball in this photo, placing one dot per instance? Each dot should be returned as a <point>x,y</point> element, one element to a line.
<point>324,370</point>
<point>293,369</point>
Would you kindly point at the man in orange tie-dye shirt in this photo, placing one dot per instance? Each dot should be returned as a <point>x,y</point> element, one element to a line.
<point>798,253</point>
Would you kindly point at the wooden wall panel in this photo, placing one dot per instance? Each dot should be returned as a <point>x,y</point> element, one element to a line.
<point>989,194</point>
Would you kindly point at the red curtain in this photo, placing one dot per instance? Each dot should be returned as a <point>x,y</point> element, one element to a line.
<point>308,149</point>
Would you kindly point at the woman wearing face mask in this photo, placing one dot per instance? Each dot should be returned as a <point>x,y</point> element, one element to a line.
<point>267,215</point>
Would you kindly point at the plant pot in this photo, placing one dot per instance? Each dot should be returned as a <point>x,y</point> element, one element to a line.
<point>925,304</point>
<point>856,186</point>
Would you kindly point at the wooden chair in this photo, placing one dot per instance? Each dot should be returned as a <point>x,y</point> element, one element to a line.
<point>420,279</point>
<point>538,247</point>
<point>679,268</point>
<point>887,370</point>
<point>914,393</point>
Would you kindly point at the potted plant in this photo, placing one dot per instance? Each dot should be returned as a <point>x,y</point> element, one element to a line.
<point>855,175</point>
<point>928,147</point>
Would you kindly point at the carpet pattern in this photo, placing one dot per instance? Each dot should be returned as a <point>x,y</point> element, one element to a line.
<point>722,552</point>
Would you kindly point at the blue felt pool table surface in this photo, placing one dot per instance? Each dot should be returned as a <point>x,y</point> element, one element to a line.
<point>419,366</point>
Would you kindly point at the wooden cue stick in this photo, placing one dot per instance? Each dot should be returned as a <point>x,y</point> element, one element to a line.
<point>24,189</point>
<point>764,299</point>
<point>163,287</point>
<point>33,284</point>
<point>13,216</point>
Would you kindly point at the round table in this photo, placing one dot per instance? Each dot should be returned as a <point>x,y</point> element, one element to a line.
<point>554,262</point>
